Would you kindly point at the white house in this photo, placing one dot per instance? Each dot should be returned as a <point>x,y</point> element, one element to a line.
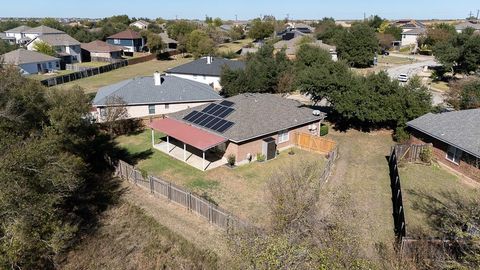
<point>150,96</point>
<point>140,24</point>
<point>40,30</point>
<point>67,48</point>
<point>18,33</point>
<point>205,70</point>
<point>31,62</point>
<point>410,37</point>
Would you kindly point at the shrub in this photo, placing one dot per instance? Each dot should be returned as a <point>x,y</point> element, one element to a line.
<point>401,134</point>
<point>260,157</point>
<point>323,130</point>
<point>426,155</point>
<point>231,159</point>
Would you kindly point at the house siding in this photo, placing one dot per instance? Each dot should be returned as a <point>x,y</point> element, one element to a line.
<point>440,152</point>
<point>210,80</point>
<point>32,68</point>
<point>132,45</point>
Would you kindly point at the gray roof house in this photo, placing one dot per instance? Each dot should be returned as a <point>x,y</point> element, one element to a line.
<point>18,34</point>
<point>42,29</point>
<point>291,46</point>
<point>205,70</point>
<point>157,95</point>
<point>31,62</point>
<point>462,26</point>
<point>67,48</point>
<point>19,29</point>
<point>455,136</point>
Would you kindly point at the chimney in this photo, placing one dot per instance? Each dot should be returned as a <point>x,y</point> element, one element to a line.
<point>209,60</point>
<point>156,78</point>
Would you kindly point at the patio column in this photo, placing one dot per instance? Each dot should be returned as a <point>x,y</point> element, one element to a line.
<point>168,144</point>
<point>184,152</point>
<point>203,161</point>
<point>153,138</point>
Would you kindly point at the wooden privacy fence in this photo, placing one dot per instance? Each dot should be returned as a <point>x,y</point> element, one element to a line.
<point>397,200</point>
<point>314,143</point>
<point>332,156</point>
<point>411,152</point>
<point>194,203</point>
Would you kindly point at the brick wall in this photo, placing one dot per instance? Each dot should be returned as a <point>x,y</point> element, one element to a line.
<point>440,152</point>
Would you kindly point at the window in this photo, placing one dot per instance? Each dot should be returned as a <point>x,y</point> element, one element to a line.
<point>167,106</point>
<point>283,136</point>
<point>50,65</point>
<point>151,109</point>
<point>103,112</point>
<point>454,154</point>
<point>116,41</point>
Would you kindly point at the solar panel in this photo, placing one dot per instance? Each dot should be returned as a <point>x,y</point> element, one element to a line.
<point>219,124</point>
<point>225,113</point>
<point>206,120</point>
<point>213,122</point>
<point>195,117</point>
<point>227,103</point>
<point>200,119</point>
<point>225,127</point>
<point>209,107</point>
<point>220,111</point>
<point>190,115</point>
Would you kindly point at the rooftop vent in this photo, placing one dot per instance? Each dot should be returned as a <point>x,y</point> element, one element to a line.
<point>157,78</point>
<point>209,60</point>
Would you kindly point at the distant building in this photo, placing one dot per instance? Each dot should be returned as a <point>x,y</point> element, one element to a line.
<point>68,49</point>
<point>41,30</point>
<point>31,62</point>
<point>170,43</point>
<point>410,37</point>
<point>18,33</point>
<point>98,50</point>
<point>131,40</point>
<point>140,24</point>
<point>407,25</point>
<point>462,26</point>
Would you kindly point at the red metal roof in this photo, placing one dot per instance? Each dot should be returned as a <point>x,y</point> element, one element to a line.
<point>188,134</point>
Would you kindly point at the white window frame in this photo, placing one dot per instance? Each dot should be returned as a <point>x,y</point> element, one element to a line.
<point>149,109</point>
<point>283,136</point>
<point>457,154</point>
<point>116,41</point>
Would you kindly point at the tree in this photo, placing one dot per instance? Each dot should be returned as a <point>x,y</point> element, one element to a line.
<point>217,22</point>
<point>261,29</point>
<point>447,55</point>
<point>51,22</point>
<point>358,45</point>
<point>236,32</point>
<point>464,95</point>
<point>155,43</point>
<point>385,40</point>
<point>375,22</point>
<point>200,44</point>
<point>395,31</point>
<point>45,48</point>
<point>328,31</point>
<point>6,47</point>
<point>180,28</point>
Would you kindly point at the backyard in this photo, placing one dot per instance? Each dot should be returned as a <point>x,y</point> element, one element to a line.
<point>241,190</point>
<point>92,84</point>
<point>233,46</point>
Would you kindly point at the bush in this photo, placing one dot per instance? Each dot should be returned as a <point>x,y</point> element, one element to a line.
<point>323,130</point>
<point>260,157</point>
<point>228,54</point>
<point>426,155</point>
<point>401,134</point>
<point>231,160</point>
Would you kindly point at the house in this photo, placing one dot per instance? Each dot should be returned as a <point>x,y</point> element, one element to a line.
<point>40,30</point>
<point>18,33</point>
<point>98,50</point>
<point>407,25</point>
<point>241,126</point>
<point>171,44</point>
<point>153,96</point>
<point>304,28</point>
<point>68,49</point>
<point>140,24</point>
<point>410,37</point>
<point>289,34</point>
<point>129,39</point>
<point>455,137</point>
<point>31,62</point>
<point>291,46</point>
<point>206,70</point>
<point>9,40</point>
<point>462,26</point>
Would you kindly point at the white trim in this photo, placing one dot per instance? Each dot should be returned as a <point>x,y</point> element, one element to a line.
<point>283,136</point>
<point>457,154</point>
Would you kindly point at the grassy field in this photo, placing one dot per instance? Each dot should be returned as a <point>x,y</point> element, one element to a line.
<point>241,190</point>
<point>92,64</point>
<point>440,86</point>
<point>233,46</point>
<point>91,84</point>
<point>128,238</point>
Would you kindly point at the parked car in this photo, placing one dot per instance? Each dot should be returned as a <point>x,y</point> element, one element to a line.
<point>385,52</point>
<point>403,77</point>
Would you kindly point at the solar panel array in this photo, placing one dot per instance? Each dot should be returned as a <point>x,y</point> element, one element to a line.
<point>212,116</point>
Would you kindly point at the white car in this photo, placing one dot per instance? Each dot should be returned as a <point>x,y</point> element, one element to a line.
<point>403,78</point>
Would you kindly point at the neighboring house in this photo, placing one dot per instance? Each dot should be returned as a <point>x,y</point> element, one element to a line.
<point>304,28</point>
<point>18,33</point>
<point>241,126</point>
<point>67,48</point>
<point>410,37</point>
<point>455,137</point>
<point>40,30</point>
<point>129,39</point>
<point>462,26</point>
<point>206,70</point>
<point>31,62</point>
<point>98,50</point>
<point>9,40</point>
<point>407,25</point>
<point>170,44</point>
<point>291,46</point>
<point>291,34</point>
<point>140,24</point>
<point>245,51</point>
<point>153,96</point>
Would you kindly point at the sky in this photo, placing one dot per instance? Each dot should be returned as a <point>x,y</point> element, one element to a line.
<point>243,9</point>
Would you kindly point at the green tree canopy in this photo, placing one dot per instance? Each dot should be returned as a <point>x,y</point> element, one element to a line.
<point>154,43</point>
<point>180,28</point>
<point>261,29</point>
<point>200,44</point>
<point>358,45</point>
<point>45,48</point>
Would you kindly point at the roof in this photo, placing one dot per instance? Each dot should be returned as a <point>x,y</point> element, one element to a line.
<point>257,115</point>
<point>127,34</point>
<point>18,29</point>
<point>200,67</point>
<point>415,32</point>
<point>166,38</point>
<point>100,46</point>
<point>42,29</point>
<point>460,129</point>
<point>58,39</point>
<point>142,90</point>
<point>188,134</point>
<point>140,22</point>
<point>465,25</point>
<point>410,24</point>
<point>22,56</point>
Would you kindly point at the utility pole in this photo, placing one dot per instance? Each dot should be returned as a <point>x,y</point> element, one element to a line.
<point>236,18</point>
<point>364,16</point>
<point>478,11</point>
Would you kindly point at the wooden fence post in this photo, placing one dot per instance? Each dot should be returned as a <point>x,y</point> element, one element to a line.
<point>152,185</point>
<point>169,191</point>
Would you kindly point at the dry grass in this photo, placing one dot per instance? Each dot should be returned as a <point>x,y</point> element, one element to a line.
<point>45,76</point>
<point>394,60</point>
<point>240,190</point>
<point>130,239</point>
<point>440,86</point>
<point>92,84</point>
<point>233,46</point>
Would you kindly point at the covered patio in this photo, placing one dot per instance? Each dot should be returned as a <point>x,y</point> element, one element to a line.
<point>194,146</point>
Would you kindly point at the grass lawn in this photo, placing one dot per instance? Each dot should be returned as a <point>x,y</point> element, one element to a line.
<point>418,180</point>
<point>233,46</point>
<point>241,190</point>
<point>92,64</point>
<point>91,84</point>
<point>45,76</point>
<point>394,60</point>
<point>440,86</point>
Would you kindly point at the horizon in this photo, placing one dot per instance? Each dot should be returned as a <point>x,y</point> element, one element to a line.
<point>249,9</point>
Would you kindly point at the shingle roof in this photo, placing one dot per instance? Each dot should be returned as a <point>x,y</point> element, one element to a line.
<point>18,29</point>
<point>200,67</point>
<point>416,31</point>
<point>58,39</point>
<point>459,128</point>
<point>166,39</point>
<point>258,115</point>
<point>127,34</point>
<point>42,29</point>
<point>101,46</point>
<point>22,56</point>
<point>465,25</point>
<point>142,90</point>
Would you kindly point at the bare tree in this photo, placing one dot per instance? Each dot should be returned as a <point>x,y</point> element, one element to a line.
<point>114,114</point>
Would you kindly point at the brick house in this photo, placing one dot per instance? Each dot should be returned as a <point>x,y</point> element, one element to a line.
<point>455,137</point>
<point>243,126</point>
